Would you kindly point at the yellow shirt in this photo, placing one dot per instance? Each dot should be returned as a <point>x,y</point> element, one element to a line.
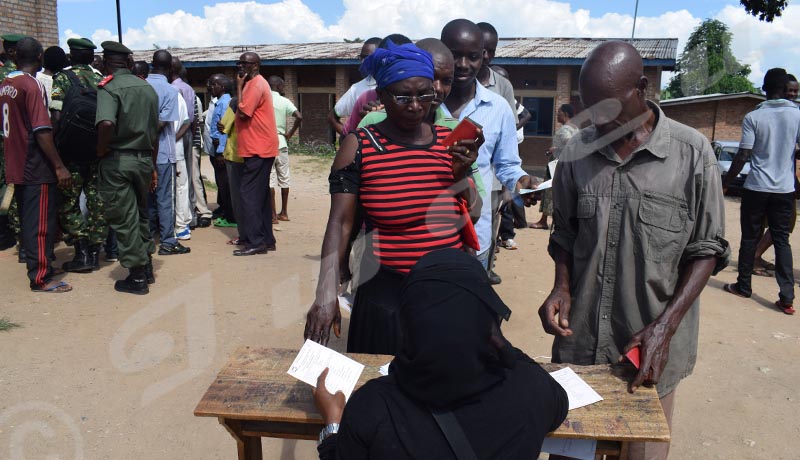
<point>230,153</point>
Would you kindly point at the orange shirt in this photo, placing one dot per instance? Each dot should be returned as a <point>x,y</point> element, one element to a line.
<point>257,133</point>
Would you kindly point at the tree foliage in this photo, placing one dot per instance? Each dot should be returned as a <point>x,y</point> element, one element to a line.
<point>765,10</point>
<point>708,66</point>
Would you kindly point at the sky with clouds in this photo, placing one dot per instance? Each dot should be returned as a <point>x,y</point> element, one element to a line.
<point>181,23</point>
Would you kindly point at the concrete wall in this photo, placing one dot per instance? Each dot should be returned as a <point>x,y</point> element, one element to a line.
<point>37,18</point>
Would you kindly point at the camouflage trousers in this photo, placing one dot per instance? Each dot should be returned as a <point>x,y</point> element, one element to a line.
<point>13,212</point>
<point>74,225</point>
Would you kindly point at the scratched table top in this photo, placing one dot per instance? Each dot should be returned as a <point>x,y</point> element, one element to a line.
<point>254,385</point>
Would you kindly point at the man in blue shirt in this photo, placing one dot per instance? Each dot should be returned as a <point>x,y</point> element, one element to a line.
<point>498,156</point>
<point>769,136</point>
<point>162,201</point>
<point>221,87</point>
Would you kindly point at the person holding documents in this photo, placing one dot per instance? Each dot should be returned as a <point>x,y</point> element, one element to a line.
<point>469,380</point>
<point>412,192</point>
<point>639,229</point>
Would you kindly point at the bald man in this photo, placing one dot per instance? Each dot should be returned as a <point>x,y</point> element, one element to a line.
<point>639,226</point>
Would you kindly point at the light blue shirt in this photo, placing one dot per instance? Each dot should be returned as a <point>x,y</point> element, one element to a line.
<point>167,112</point>
<point>219,111</point>
<point>771,131</point>
<point>498,156</point>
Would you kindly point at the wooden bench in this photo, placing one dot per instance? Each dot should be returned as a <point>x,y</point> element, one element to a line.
<point>254,397</point>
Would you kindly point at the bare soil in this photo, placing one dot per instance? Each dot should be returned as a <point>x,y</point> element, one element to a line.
<point>96,374</point>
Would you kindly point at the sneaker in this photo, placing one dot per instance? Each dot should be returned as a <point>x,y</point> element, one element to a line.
<point>172,249</point>
<point>112,256</point>
<point>203,222</point>
<point>509,244</point>
<point>185,234</point>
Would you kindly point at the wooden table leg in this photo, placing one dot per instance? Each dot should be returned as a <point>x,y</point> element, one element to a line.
<point>249,446</point>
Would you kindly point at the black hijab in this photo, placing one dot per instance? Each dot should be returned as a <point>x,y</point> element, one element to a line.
<point>449,315</point>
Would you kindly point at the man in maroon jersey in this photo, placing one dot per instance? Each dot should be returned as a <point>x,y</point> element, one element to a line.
<point>32,163</point>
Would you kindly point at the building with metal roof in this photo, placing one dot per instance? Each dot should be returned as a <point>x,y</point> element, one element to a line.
<point>543,71</point>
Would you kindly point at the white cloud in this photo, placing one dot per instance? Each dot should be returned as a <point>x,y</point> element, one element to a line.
<point>762,45</point>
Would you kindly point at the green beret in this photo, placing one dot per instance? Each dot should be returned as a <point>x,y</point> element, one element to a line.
<point>81,44</point>
<point>12,38</point>
<point>115,48</point>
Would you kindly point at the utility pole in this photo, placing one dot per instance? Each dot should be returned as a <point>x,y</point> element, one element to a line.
<point>635,13</point>
<point>119,24</point>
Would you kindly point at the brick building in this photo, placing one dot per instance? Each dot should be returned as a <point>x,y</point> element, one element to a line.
<point>37,18</point>
<point>544,73</point>
<point>718,116</point>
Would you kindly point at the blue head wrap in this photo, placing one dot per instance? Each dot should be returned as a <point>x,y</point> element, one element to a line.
<point>397,63</point>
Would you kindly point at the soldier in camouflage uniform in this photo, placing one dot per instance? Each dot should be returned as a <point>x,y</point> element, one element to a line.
<point>85,234</point>
<point>9,223</point>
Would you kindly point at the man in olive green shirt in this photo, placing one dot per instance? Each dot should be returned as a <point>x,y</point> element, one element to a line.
<point>85,234</point>
<point>638,230</point>
<point>127,128</point>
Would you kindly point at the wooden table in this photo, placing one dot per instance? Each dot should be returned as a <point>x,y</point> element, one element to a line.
<point>253,396</point>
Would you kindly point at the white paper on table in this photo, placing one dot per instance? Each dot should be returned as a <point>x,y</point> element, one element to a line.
<point>313,358</point>
<point>384,370</point>
<point>578,391</point>
<point>582,449</point>
<point>552,168</point>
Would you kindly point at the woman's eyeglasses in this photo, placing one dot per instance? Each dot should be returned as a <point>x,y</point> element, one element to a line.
<point>405,100</point>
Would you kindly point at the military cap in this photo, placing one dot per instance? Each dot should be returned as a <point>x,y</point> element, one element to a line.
<point>81,44</point>
<point>12,38</point>
<point>115,47</point>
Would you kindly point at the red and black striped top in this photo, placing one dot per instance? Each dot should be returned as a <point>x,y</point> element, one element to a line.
<point>408,199</point>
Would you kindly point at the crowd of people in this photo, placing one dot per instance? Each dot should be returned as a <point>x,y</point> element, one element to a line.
<point>637,217</point>
<point>116,160</point>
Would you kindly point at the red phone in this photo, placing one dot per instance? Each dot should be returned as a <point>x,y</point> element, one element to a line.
<point>466,129</point>
<point>633,356</point>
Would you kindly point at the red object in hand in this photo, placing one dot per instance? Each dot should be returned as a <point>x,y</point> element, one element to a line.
<point>465,130</point>
<point>633,356</point>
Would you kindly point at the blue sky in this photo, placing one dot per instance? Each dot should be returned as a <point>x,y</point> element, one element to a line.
<point>187,23</point>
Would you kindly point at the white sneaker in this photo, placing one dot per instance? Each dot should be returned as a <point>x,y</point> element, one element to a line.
<point>185,234</point>
<point>509,244</point>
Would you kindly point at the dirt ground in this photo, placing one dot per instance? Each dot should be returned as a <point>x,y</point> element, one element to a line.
<point>94,374</point>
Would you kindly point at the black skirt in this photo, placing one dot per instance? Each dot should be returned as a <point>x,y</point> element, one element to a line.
<point>375,320</point>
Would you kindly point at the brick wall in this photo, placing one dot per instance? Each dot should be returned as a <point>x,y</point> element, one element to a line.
<point>37,18</point>
<point>717,120</point>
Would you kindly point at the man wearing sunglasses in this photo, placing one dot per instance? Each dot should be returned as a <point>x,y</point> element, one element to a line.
<point>258,146</point>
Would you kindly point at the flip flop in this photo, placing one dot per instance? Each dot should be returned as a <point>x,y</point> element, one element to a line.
<point>763,271</point>
<point>283,218</point>
<point>57,288</point>
<point>236,242</point>
<point>786,308</point>
<point>731,288</point>
<point>767,265</point>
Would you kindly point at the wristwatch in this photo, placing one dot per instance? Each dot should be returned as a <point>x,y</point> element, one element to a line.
<point>329,429</point>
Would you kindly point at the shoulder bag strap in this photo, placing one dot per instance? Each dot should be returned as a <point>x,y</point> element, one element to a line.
<point>455,435</point>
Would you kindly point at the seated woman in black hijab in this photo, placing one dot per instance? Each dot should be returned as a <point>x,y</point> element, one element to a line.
<point>456,373</point>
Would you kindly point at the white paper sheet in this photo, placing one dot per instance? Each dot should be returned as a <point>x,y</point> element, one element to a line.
<point>346,302</point>
<point>384,370</point>
<point>543,186</point>
<point>579,392</point>
<point>313,358</point>
<point>551,167</point>
<point>582,449</point>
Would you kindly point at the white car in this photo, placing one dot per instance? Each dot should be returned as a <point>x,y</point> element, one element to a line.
<point>725,152</point>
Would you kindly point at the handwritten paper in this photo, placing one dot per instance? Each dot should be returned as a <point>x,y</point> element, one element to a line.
<point>582,449</point>
<point>313,358</point>
<point>578,391</point>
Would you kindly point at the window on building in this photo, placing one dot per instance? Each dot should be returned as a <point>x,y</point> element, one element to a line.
<point>541,109</point>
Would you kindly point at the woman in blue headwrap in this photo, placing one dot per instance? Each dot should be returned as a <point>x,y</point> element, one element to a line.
<point>410,190</point>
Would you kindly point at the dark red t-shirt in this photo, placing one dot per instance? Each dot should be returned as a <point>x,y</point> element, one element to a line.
<point>23,111</point>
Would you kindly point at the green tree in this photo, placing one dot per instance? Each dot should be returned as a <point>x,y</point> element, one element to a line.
<point>764,10</point>
<point>707,65</point>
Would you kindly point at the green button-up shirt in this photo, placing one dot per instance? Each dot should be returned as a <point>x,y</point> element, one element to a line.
<point>631,227</point>
<point>132,105</point>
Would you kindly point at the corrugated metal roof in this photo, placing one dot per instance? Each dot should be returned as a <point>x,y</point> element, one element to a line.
<point>710,97</point>
<point>509,50</point>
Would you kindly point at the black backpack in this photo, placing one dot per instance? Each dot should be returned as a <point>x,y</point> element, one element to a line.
<point>76,138</point>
